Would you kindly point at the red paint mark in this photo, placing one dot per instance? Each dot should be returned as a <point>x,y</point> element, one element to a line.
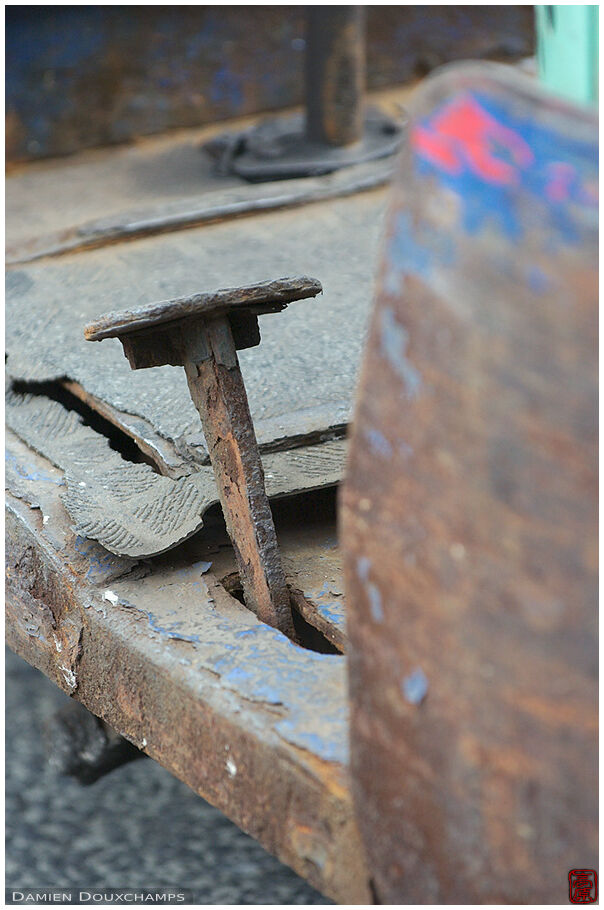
<point>465,135</point>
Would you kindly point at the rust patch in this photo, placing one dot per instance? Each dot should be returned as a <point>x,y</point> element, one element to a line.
<point>470,490</point>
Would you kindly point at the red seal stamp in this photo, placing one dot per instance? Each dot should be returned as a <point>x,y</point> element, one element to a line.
<point>582,886</point>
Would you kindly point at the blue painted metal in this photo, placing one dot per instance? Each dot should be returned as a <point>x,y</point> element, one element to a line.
<point>78,77</point>
<point>484,152</point>
<point>331,607</point>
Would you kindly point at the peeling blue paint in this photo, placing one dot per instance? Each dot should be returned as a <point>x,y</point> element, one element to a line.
<point>415,687</point>
<point>394,341</point>
<point>165,631</point>
<point>415,250</point>
<point>245,632</point>
<point>30,473</point>
<point>333,611</point>
<point>314,742</point>
<point>378,442</point>
<point>236,674</point>
<point>169,632</point>
<point>375,602</point>
<point>101,563</point>
<point>363,567</point>
<point>306,691</point>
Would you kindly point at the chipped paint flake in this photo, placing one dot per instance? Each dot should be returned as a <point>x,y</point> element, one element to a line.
<point>231,767</point>
<point>69,677</point>
<point>111,596</point>
<point>415,687</point>
<point>394,341</point>
<point>457,551</point>
<point>363,566</point>
<point>378,442</point>
<point>375,602</point>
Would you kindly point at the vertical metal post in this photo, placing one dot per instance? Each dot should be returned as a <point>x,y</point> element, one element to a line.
<point>335,74</point>
<point>567,51</point>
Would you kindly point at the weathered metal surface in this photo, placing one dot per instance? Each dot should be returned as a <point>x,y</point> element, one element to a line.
<point>86,76</point>
<point>252,722</point>
<point>218,392</point>
<point>335,74</point>
<point>468,514</point>
<point>278,148</point>
<point>323,605</point>
<point>309,391</point>
<point>335,131</point>
<point>131,509</point>
<point>215,205</point>
<point>307,534</point>
<point>202,334</point>
<point>266,297</point>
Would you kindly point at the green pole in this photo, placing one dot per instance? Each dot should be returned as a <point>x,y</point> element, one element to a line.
<point>567,51</point>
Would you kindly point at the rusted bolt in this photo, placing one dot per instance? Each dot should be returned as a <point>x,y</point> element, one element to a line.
<point>202,333</point>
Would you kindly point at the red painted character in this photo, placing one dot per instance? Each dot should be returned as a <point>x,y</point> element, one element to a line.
<point>464,135</point>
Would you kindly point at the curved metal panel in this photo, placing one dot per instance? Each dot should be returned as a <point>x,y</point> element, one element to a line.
<point>468,513</point>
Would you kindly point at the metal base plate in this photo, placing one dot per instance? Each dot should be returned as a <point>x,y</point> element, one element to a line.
<point>278,148</point>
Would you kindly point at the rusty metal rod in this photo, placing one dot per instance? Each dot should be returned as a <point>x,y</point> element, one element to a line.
<point>335,74</point>
<point>218,393</point>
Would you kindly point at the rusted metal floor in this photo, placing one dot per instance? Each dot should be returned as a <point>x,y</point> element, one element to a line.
<point>160,649</point>
<point>161,646</point>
